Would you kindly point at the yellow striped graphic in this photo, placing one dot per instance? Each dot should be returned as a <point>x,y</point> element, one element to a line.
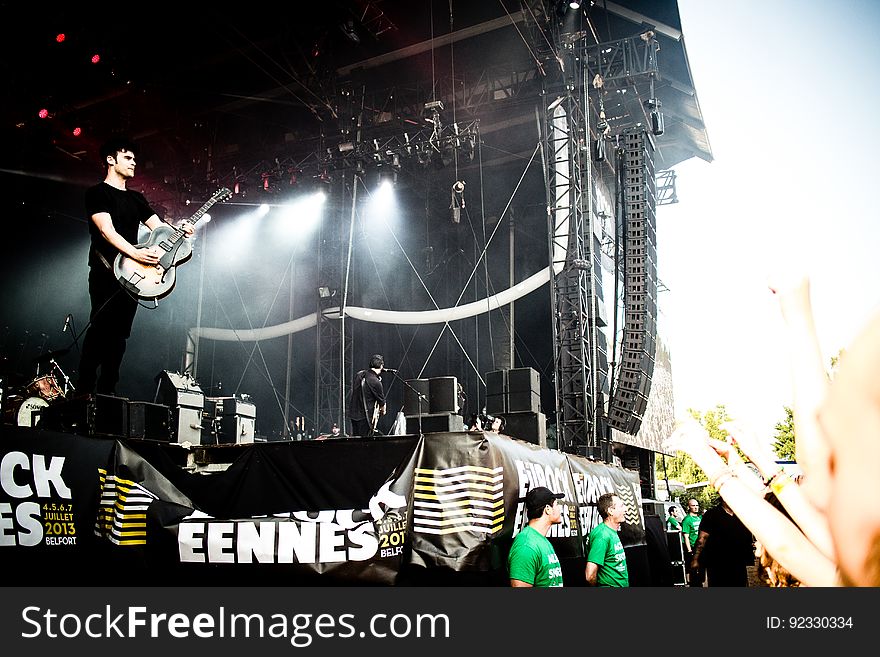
<point>121,517</point>
<point>461,499</point>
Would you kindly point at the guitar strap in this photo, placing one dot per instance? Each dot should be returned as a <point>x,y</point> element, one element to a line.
<point>103,260</point>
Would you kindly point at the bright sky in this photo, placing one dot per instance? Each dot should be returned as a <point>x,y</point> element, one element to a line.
<point>788,91</point>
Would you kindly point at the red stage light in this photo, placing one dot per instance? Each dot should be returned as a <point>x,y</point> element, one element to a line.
<point>96,59</point>
<point>43,113</point>
<point>77,132</point>
<point>60,37</point>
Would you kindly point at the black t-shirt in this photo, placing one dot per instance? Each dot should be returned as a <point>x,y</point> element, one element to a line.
<point>729,542</point>
<point>127,208</point>
<point>361,403</point>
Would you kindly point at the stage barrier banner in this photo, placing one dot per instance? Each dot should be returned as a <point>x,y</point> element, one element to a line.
<point>48,498</point>
<point>282,542</point>
<point>344,511</point>
<point>592,479</point>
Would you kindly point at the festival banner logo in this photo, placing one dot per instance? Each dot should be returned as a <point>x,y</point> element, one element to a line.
<point>37,505</point>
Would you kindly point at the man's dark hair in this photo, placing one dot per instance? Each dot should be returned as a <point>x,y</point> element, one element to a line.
<point>376,362</point>
<point>671,510</point>
<point>605,502</point>
<point>113,146</point>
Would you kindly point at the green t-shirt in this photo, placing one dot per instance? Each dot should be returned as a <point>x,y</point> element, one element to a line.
<point>673,524</point>
<point>606,551</point>
<point>691,527</point>
<point>533,560</point>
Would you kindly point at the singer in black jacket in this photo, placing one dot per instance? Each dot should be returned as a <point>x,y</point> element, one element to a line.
<point>367,397</point>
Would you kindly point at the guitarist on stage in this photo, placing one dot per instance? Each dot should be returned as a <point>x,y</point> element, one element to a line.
<point>367,401</point>
<point>114,215</point>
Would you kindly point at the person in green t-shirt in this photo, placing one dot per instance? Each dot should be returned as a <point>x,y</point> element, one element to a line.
<point>532,560</point>
<point>690,531</point>
<point>606,559</point>
<point>673,522</point>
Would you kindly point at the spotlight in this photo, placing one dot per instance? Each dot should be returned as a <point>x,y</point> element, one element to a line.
<point>657,123</point>
<point>574,4</point>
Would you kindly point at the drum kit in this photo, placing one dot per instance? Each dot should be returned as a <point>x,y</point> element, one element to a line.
<point>22,404</point>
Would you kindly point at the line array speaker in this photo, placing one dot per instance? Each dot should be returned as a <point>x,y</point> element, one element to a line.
<point>638,346</point>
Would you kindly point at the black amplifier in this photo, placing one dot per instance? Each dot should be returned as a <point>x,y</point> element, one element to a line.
<point>92,415</point>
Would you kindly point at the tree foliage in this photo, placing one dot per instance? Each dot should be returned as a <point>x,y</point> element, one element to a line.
<point>682,468</point>
<point>784,439</point>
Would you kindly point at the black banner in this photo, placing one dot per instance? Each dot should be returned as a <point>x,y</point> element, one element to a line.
<point>441,509</point>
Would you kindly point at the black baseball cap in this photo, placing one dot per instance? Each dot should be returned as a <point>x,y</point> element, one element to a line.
<point>538,498</point>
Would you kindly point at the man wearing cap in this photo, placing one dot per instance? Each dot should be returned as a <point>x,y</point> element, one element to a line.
<point>532,560</point>
<point>606,559</point>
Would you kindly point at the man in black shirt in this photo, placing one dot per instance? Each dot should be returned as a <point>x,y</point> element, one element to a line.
<point>115,214</point>
<point>367,398</point>
<point>724,547</point>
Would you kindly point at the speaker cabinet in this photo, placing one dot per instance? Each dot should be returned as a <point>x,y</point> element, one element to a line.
<point>524,379</point>
<point>523,402</point>
<point>530,427</point>
<point>413,403</point>
<point>435,423</point>
<point>496,404</point>
<point>149,421</point>
<point>443,395</point>
<point>95,415</point>
<point>513,391</point>
<point>496,383</point>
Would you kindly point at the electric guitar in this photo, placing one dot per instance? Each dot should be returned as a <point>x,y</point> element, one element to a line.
<point>377,411</point>
<point>157,281</point>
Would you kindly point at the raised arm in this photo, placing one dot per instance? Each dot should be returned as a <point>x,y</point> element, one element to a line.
<point>809,386</point>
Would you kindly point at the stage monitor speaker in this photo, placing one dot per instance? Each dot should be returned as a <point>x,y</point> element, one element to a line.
<point>413,404</point>
<point>94,415</point>
<point>530,427</point>
<point>443,394</point>
<point>149,421</point>
<point>436,423</point>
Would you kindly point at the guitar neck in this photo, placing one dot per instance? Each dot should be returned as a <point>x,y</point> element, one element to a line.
<point>194,219</point>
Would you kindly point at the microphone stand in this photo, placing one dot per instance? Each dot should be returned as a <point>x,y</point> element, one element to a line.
<point>422,397</point>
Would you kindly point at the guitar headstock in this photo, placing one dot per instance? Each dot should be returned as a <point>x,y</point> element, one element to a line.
<point>222,194</point>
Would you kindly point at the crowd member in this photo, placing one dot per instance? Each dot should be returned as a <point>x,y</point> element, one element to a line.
<point>837,426</point>
<point>770,571</point>
<point>673,521</point>
<point>724,548</point>
<point>690,531</point>
<point>532,560</point>
<point>606,558</point>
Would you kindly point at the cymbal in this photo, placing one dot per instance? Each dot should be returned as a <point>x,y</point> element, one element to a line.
<point>49,355</point>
